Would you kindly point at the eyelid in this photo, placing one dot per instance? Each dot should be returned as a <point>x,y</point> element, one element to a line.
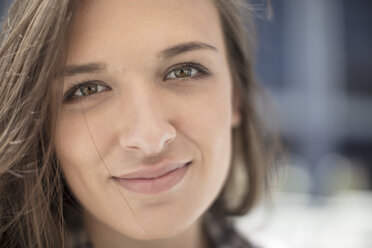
<point>70,97</point>
<point>192,64</point>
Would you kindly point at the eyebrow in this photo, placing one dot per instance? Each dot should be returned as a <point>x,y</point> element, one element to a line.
<point>185,47</point>
<point>84,68</point>
<point>173,51</point>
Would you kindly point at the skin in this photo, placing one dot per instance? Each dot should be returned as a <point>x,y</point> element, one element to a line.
<point>143,113</point>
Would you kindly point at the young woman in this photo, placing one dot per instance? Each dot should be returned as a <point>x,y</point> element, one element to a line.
<point>126,124</point>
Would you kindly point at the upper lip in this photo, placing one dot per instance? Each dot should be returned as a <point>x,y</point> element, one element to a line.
<point>153,171</point>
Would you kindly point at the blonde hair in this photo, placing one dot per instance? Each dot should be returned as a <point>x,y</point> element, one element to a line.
<point>32,51</point>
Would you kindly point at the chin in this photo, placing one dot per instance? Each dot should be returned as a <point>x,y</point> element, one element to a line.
<point>156,235</point>
<point>161,228</point>
<point>152,233</point>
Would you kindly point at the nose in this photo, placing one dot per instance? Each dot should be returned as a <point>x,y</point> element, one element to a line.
<point>146,129</point>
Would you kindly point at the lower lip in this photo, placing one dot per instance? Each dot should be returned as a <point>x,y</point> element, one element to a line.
<point>154,185</point>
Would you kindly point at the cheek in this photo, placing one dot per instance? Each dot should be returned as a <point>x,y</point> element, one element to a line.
<point>209,117</point>
<point>207,122</point>
<point>77,153</point>
<point>76,139</point>
<point>83,165</point>
<point>72,141</point>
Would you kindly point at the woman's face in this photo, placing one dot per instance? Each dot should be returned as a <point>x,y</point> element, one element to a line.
<point>144,131</point>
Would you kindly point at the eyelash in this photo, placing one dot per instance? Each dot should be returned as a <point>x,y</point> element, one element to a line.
<point>201,73</point>
<point>69,95</point>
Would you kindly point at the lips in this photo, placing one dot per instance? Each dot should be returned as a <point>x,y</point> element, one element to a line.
<point>153,171</point>
<point>154,178</point>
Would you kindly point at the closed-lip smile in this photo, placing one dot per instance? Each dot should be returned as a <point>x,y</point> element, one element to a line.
<point>153,179</point>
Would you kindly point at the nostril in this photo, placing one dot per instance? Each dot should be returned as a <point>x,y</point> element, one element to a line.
<point>170,138</point>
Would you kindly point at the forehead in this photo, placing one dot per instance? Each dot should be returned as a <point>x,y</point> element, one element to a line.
<point>140,26</point>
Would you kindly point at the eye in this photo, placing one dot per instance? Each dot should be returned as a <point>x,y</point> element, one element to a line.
<point>89,89</point>
<point>82,90</point>
<point>183,72</point>
<point>187,71</point>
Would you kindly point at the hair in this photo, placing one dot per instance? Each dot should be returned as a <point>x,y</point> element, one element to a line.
<point>32,51</point>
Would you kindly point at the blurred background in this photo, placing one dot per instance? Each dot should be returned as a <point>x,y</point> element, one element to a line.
<point>314,58</point>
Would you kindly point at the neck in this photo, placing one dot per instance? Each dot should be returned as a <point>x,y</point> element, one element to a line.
<point>103,236</point>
